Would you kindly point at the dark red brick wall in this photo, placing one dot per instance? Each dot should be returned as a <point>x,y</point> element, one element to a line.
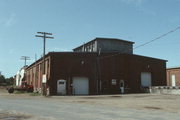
<point>35,71</point>
<point>100,70</point>
<point>104,69</point>
<point>129,68</point>
<point>69,65</point>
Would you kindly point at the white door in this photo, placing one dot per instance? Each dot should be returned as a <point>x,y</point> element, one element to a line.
<point>146,79</point>
<point>173,80</point>
<point>61,87</point>
<point>80,86</point>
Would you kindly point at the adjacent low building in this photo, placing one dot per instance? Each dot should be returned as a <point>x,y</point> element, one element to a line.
<point>173,76</point>
<point>89,72</point>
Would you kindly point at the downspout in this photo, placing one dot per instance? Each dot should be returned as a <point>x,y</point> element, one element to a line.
<point>98,72</point>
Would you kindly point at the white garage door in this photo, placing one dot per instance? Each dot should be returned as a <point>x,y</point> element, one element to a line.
<point>145,79</point>
<point>80,86</point>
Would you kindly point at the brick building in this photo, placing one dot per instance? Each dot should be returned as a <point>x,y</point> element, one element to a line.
<point>102,75</point>
<point>90,72</point>
<point>173,76</point>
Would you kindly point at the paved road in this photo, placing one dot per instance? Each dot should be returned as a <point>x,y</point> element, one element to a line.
<point>57,109</point>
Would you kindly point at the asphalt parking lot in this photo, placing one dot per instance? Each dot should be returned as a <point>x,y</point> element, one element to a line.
<point>102,107</point>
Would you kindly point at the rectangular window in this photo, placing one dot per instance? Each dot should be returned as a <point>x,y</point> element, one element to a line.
<point>61,82</point>
<point>113,81</point>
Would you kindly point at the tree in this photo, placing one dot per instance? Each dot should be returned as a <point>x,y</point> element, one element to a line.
<point>2,79</point>
<point>6,81</point>
<point>9,81</point>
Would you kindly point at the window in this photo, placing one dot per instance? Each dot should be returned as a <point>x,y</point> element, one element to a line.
<point>88,48</point>
<point>61,82</point>
<point>113,81</point>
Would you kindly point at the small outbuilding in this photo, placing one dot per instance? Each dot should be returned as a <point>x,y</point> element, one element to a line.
<point>173,76</point>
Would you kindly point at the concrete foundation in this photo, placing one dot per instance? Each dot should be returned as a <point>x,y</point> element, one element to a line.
<point>165,90</point>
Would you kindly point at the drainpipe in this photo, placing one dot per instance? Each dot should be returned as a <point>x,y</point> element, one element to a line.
<point>98,72</point>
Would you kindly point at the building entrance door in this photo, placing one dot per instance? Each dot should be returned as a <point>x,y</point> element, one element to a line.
<point>122,86</point>
<point>61,87</point>
<point>173,80</point>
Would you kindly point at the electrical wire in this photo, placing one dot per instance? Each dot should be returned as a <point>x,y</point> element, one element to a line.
<point>144,43</point>
<point>157,38</point>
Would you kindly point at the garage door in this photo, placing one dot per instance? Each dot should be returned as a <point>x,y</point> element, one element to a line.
<point>80,86</point>
<point>145,79</point>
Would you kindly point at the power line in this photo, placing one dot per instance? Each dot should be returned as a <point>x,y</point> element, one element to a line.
<point>157,38</point>
<point>44,36</point>
<point>25,58</point>
<point>144,43</point>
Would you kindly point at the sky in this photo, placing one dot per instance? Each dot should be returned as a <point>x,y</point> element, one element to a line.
<point>74,22</point>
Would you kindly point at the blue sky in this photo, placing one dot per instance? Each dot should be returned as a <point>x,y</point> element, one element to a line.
<point>74,22</point>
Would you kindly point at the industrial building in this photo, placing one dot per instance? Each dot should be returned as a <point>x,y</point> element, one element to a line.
<point>173,76</point>
<point>97,67</point>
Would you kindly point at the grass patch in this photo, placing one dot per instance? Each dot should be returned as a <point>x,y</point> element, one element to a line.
<point>19,92</point>
<point>34,94</point>
<point>25,92</point>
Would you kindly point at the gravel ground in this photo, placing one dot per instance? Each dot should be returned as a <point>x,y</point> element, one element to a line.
<point>103,107</point>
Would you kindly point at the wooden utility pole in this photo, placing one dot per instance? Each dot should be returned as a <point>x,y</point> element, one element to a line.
<point>44,36</point>
<point>25,58</point>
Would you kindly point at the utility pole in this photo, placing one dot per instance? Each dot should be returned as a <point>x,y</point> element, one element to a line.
<point>44,36</point>
<point>25,58</point>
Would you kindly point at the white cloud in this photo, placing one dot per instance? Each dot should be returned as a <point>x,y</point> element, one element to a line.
<point>140,8</point>
<point>11,51</point>
<point>135,2</point>
<point>11,20</point>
